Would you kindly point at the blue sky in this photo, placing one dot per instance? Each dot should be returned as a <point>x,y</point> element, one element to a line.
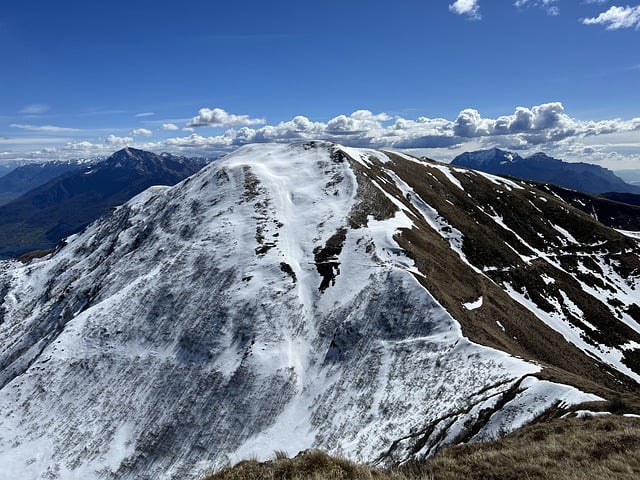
<point>438,77</point>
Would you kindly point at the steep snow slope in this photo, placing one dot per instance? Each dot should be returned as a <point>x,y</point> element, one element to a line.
<point>277,300</point>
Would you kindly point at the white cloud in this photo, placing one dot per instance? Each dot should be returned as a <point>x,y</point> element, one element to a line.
<point>470,124</point>
<point>34,109</point>
<point>546,127</point>
<point>539,126</point>
<point>534,125</point>
<point>198,143</point>
<point>616,18</point>
<point>470,8</point>
<point>141,132</point>
<point>358,122</point>
<point>120,142</point>
<point>145,114</point>
<point>169,127</point>
<point>217,117</point>
<point>44,128</point>
<point>546,5</point>
<point>79,146</point>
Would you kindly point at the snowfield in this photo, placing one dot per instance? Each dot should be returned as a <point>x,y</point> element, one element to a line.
<point>242,312</point>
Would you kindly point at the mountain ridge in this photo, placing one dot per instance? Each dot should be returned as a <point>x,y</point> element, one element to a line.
<point>311,295</point>
<point>540,167</point>
<point>65,204</point>
<point>26,177</point>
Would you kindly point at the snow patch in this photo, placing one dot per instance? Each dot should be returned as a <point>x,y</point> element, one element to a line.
<point>473,305</point>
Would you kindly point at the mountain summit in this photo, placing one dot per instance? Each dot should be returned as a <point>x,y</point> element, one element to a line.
<point>311,295</point>
<point>540,167</point>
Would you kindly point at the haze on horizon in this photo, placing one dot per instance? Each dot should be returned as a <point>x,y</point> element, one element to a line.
<point>436,79</point>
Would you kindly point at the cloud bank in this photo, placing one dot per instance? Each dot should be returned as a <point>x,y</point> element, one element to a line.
<point>545,127</point>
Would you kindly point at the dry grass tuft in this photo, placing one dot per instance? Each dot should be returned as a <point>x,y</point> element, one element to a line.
<point>591,448</point>
<point>563,449</point>
<point>308,465</point>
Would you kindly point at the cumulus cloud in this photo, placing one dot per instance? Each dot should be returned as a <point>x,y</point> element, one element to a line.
<point>358,122</point>
<point>547,5</point>
<point>169,127</point>
<point>527,127</point>
<point>145,132</point>
<point>616,18</point>
<point>119,142</point>
<point>539,126</point>
<point>535,125</point>
<point>469,8</point>
<point>545,127</point>
<point>470,124</point>
<point>217,117</point>
<point>299,128</point>
<point>44,128</point>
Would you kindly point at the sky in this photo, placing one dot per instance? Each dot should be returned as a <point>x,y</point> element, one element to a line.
<point>440,77</point>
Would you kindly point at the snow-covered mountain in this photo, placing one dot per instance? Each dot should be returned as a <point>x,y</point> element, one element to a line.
<point>364,302</point>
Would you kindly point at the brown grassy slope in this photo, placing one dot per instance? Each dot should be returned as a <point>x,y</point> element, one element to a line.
<point>589,448</point>
<point>453,282</point>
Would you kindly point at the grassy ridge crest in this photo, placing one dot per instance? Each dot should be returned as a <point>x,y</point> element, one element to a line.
<point>590,448</point>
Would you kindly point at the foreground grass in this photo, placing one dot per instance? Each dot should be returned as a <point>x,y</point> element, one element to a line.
<point>591,448</point>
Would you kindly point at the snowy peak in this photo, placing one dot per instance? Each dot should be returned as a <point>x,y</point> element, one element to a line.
<point>145,162</point>
<point>310,295</point>
<point>486,158</point>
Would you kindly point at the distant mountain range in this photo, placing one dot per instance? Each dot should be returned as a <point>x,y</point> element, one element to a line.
<point>64,205</point>
<point>539,167</point>
<point>4,169</point>
<point>27,177</point>
<point>630,176</point>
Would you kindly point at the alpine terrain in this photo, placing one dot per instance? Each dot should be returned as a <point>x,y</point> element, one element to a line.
<point>367,303</point>
<point>617,210</point>
<point>44,215</point>
<point>539,167</point>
